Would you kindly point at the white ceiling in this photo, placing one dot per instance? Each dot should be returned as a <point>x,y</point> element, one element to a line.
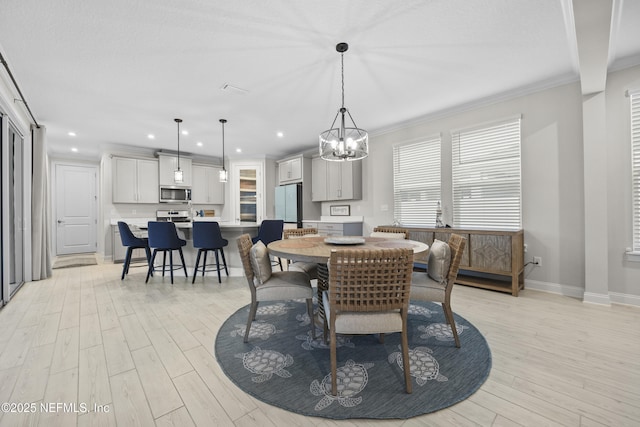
<point>114,71</point>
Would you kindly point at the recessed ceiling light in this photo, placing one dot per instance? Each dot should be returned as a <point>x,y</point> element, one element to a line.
<point>185,132</point>
<point>151,136</point>
<point>280,134</point>
<point>238,150</point>
<point>71,133</point>
<point>74,149</point>
<point>199,144</point>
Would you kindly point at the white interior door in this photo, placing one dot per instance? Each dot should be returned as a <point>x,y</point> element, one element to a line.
<point>76,215</point>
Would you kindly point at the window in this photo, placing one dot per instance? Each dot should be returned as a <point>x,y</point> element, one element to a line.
<point>486,176</point>
<point>416,182</point>
<point>635,167</point>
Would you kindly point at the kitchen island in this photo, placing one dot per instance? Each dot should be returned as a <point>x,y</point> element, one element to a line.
<point>230,231</point>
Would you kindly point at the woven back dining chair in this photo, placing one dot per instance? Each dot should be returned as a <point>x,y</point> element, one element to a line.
<point>311,268</point>
<point>437,283</point>
<point>390,232</point>
<point>368,294</point>
<point>268,285</point>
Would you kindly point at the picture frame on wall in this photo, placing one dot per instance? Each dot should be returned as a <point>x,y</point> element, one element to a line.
<point>340,210</point>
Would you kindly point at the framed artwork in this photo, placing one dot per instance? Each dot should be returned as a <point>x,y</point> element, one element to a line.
<point>340,210</point>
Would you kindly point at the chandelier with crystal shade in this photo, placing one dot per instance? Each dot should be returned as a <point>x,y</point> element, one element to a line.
<point>344,143</point>
<point>224,175</point>
<point>178,176</point>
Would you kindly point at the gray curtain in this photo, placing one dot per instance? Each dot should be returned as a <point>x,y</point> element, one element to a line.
<point>40,207</point>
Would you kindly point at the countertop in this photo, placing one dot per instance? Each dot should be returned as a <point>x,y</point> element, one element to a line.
<point>142,223</point>
<point>337,219</point>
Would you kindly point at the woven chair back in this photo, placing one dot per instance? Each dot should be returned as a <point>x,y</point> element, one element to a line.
<point>456,244</point>
<point>392,230</point>
<point>364,280</point>
<point>244,247</point>
<point>299,232</point>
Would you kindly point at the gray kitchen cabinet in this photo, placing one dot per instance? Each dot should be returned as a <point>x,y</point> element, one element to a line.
<point>341,180</point>
<point>168,165</point>
<point>206,188</point>
<point>290,170</point>
<point>135,180</point>
<point>318,179</point>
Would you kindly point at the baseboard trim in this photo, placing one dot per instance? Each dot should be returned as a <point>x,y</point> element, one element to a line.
<point>555,288</point>
<point>579,293</point>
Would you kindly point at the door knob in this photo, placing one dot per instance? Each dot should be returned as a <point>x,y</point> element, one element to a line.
<point>60,221</point>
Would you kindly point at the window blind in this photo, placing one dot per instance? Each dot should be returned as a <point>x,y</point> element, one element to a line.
<point>635,167</point>
<point>416,182</point>
<point>486,176</point>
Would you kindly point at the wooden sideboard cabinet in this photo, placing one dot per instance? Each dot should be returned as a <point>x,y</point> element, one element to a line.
<point>492,259</point>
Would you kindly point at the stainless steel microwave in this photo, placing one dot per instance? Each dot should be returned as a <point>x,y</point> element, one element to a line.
<point>175,195</point>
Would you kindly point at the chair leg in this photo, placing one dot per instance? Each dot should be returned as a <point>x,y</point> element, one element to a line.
<point>171,265</point>
<point>224,261</point>
<point>448,314</point>
<point>125,265</point>
<point>215,251</point>
<point>148,253</point>
<point>252,315</point>
<point>184,266</point>
<point>334,362</point>
<point>153,258</point>
<point>405,358</point>
<point>164,261</point>
<point>204,264</point>
<point>313,323</point>
<point>280,262</point>
<point>195,270</point>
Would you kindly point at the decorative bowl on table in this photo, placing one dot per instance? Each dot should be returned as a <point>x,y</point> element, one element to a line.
<point>344,240</point>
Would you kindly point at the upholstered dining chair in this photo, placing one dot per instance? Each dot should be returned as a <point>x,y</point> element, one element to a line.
<point>163,237</point>
<point>437,283</point>
<point>269,231</point>
<point>368,294</point>
<point>208,237</point>
<point>268,285</point>
<point>311,268</point>
<point>131,242</point>
<point>390,232</point>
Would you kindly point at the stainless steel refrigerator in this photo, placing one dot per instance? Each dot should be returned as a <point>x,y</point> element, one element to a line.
<point>288,204</point>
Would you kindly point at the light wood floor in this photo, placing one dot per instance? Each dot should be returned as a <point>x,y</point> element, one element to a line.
<point>144,354</point>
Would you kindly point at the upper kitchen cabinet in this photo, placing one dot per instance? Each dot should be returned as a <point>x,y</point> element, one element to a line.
<point>135,180</point>
<point>319,179</point>
<point>336,180</point>
<point>290,170</point>
<point>207,188</point>
<point>168,165</point>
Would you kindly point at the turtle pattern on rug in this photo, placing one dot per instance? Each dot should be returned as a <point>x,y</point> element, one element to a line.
<point>283,366</point>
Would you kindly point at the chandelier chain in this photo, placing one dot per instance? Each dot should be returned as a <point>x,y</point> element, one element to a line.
<point>342,61</point>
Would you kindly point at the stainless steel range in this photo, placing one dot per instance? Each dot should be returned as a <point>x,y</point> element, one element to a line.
<point>173,216</point>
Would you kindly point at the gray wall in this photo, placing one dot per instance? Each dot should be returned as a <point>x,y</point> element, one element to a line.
<point>552,181</point>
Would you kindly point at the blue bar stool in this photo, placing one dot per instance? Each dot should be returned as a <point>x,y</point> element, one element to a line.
<point>207,237</point>
<point>270,230</point>
<point>131,242</point>
<point>163,237</point>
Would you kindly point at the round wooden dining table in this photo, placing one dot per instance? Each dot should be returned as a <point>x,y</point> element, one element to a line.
<point>318,249</point>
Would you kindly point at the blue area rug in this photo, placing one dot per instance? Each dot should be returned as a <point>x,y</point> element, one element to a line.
<point>281,364</point>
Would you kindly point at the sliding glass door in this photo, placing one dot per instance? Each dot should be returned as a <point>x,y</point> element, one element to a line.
<point>12,227</point>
